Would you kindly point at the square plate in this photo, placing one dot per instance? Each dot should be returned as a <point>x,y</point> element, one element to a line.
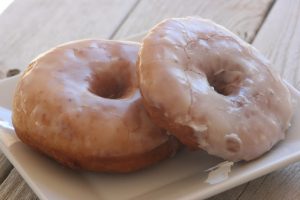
<point>181,177</point>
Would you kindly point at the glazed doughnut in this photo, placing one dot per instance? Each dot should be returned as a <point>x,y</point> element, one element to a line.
<point>80,104</point>
<point>212,90</point>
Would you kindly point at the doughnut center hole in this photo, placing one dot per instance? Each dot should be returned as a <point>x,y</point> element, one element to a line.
<point>226,82</point>
<point>110,84</point>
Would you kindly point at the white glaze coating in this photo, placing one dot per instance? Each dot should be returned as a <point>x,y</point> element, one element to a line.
<point>199,75</point>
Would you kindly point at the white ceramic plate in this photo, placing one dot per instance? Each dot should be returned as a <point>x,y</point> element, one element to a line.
<point>181,177</point>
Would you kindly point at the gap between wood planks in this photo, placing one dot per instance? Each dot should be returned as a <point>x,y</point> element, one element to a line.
<point>263,20</point>
<point>241,17</point>
<point>124,19</point>
<point>18,190</point>
<point>5,168</point>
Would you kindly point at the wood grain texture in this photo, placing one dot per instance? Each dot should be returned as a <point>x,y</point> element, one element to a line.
<point>30,27</point>
<point>242,17</point>
<point>282,184</point>
<point>279,185</point>
<point>14,187</point>
<point>279,39</point>
<point>5,167</point>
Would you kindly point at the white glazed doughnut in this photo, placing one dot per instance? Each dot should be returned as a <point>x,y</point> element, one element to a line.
<point>80,104</point>
<point>212,90</point>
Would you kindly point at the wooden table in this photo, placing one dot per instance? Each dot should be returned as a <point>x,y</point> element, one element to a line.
<point>29,27</point>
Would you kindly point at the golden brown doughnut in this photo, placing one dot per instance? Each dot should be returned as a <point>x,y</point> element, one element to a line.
<point>212,90</point>
<point>80,104</point>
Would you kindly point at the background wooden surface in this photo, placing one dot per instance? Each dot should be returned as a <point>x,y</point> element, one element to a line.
<point>29,27</point>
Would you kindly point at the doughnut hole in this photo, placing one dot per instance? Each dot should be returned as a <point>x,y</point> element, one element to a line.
<point>114,83</point>
<point>226,82</point>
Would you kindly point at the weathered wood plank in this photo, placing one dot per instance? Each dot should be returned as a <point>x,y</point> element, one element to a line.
<point>14,187</point>
<point>5,167</point>
<point>242,17</point>
<point>29,27</point>
<point>279,39</point>
<point>282,184</point>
